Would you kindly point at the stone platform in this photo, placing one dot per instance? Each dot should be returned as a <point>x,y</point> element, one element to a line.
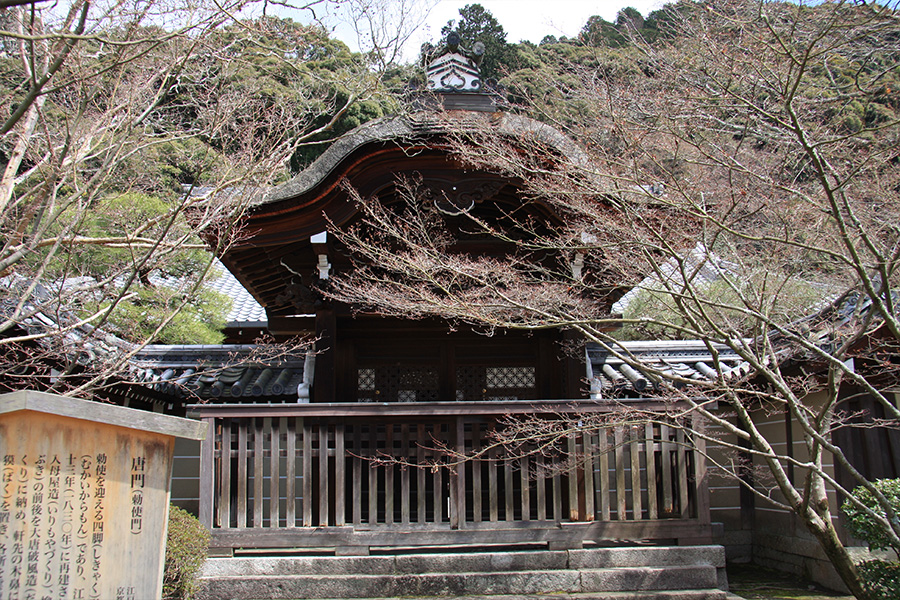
<point>658,572</point>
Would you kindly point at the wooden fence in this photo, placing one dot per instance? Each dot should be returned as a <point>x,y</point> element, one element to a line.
<point>351,477</point>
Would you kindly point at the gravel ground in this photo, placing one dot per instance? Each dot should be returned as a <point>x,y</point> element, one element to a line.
<point>756,583</point>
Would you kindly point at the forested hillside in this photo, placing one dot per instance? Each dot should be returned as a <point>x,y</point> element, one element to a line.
<point>117,125</point>
<point>764,111</point>
<point>132,139</point>
<point>114,129</point>
<point>740,168</point>
<point>742,172</point>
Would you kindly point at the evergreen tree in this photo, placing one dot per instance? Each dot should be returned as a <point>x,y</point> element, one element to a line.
<point>476,24</point>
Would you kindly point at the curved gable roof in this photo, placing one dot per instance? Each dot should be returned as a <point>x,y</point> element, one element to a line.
<point>275,259</point>
<point>418,128</point>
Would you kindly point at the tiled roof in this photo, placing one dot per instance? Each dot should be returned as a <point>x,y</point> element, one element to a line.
<point>638,369</point>
<point>244,307</point>
<point>700,265</point>
<point>220,373</point>
<point>245,310</point>
<point>416,126</point>
<point>46,314</point>
<point>837,318</point>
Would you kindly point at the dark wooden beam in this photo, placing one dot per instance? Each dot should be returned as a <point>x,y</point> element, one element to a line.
<point>420,409</point>
<point>326,338</point>
<point>298,325</point>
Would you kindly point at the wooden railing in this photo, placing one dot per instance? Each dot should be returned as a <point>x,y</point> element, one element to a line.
<point>353,476</point>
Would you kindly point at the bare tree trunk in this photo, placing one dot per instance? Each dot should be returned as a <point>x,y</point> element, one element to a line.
<point>8,182</point>
<point>824,532</point>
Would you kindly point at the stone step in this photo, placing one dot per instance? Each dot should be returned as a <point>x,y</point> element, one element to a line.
<point>675,573</point>
<point>657,556</point>
<point>467,562</point>
<point>617,579</point>
<point>711,594</point>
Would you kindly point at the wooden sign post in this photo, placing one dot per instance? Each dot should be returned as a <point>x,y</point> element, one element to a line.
<point>84,497</point>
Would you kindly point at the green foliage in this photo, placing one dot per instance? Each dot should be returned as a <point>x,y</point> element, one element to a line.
<point>790,298</point>
<point>119,216</point>
<point>861,524</point>
<point>163,280</point>
<point>599,32</point>
<point>551,79</point>
<point>548,39</point>
<point>357,114</point>
<point>180,162</point>
<point>478,25</point>
<point>199,320</point>
<point>880,578</point>
<point>660,24</point>
<point>273,79</point>
<point>629,17</point>
<point>187,542</point>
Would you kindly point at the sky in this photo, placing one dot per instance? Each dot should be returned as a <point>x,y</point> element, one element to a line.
<point>533,19</point>
<point>521,19</point>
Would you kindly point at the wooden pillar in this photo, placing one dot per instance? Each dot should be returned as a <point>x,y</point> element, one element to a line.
<point>458,477</point>
<point>748,498</point>
<point>324,381</point>
<point>703,534</point>
<point>207,467</point>
<point>573,369</point>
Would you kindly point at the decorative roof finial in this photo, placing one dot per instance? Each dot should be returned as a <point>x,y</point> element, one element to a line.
<point>451,67</point>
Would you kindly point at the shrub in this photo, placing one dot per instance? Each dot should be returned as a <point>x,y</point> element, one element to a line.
<point>880,578</point>
<point>861,525</point>
<point>187,543</point>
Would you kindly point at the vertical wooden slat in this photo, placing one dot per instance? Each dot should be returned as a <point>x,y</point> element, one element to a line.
<point>324,430</point>
<point>477,467</point>
<point>373,475</point>
<point>682,475</point>
<point>445,480</point>
<point>438,491</point>
<point>650,454</point>
<point>665,445</point>
<point>404,474</point>
<point>635,446</point>
<point>290,474</point>
<point>603,451</point>
<point>420,473</point>
<point>275,474</point>
<point>389,475</point>
<point>590,453</point>
<point>574,500</point>
<point>700,475</point>
<point>621,503</point>
<point>340,477</point>
<point>356,492</point>
<point>243,424</point>
<point>892,452</point>
<point>557,495</point>
<point>526,488</point>
<point>207,478</point>
<point>540,481</point>
<point>307,473</point>
<point>458,478</point>
<point>509,496</point>
<point>225,476</point>
<point>493,499</point>
<point>258,469</point>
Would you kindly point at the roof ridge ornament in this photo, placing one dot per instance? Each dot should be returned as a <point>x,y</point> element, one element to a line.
<point>451,67</point>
